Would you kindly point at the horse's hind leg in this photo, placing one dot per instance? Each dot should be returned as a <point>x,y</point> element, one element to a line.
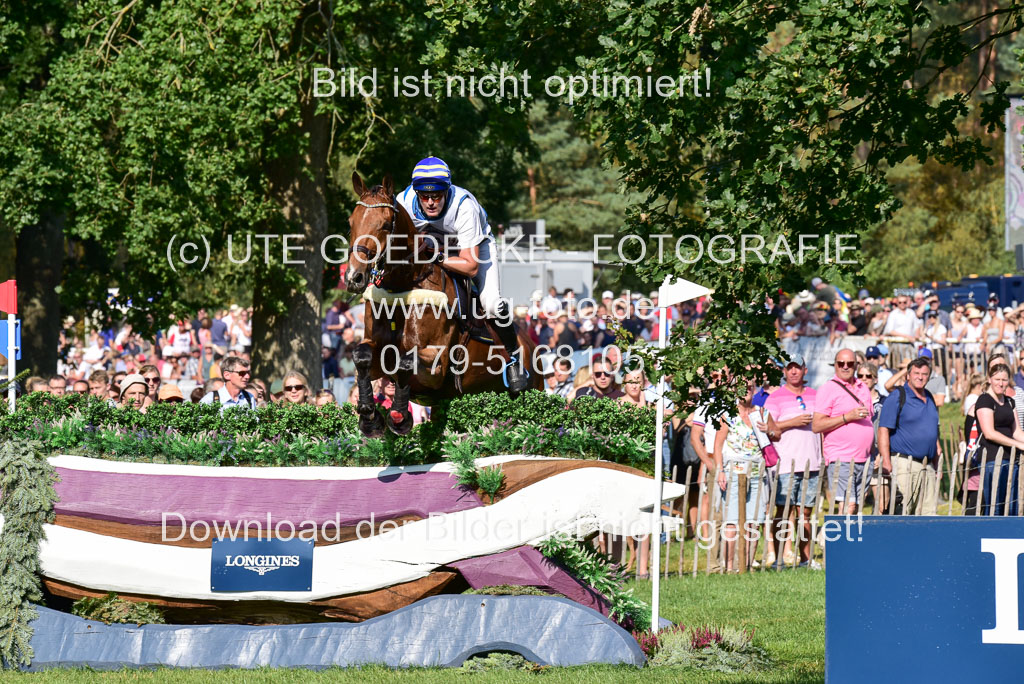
<point>370,423</point>
<point>399,417</point>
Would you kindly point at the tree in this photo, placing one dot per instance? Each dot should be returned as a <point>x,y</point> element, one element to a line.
<point>196,122</point>
<point>30,40</point>
<point>803,108</point>
<point>567,182</point>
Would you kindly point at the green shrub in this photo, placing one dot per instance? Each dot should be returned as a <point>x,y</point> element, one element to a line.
<point>587,565</point>
<point>26,502</point>
<point>499,661</point>
<point>286,434</point>
<point>541,410</point>
<point>111,608</point>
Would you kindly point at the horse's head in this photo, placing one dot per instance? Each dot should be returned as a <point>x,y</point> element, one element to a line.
<point>372,223</point>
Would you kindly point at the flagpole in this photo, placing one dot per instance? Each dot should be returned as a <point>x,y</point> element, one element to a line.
<point>659,436</point>
<point>671,292</point>
<point>11,355</point>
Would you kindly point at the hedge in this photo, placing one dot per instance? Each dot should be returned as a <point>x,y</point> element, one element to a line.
<point>282,434</point>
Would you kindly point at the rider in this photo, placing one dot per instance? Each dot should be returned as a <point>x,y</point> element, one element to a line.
<point>433,201</point>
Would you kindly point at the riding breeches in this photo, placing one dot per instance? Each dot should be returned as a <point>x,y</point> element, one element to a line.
<point>487,281</point>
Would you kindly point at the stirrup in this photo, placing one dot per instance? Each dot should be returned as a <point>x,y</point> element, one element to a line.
<point>515,365</point>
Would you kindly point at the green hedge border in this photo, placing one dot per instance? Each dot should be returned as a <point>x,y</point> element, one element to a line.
<point>287,435</point>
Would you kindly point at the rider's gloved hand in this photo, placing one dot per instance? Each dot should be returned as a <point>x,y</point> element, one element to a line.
<point>431,251</point>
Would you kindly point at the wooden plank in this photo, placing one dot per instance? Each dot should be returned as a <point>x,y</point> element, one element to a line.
<point>994,494</point>
<point>722,546</point>
<point>966,471</point>
<point>351,608</point>
<point>780,558</point>
<point>702,476</point>
<point>1009,482</point>
<point>814,518</point>
<point>981,483</point>
<point>740,547</point>
<point>758,477</point>
<point>952,460</point>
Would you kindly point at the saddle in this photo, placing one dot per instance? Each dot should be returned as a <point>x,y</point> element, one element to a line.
<point>467,298</point>
<point>472,325</point>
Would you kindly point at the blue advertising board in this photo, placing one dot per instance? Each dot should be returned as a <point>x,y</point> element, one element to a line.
<point>924,599</point>
<point>17,338</point>
<point>261,565</point>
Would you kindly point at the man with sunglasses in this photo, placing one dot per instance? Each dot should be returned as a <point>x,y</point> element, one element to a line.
<point>903,326</point>
<point>233,392</point>
<point>792,406</point>
<point>843,414</point>
<point>445,210</point>
<point>604,386</point>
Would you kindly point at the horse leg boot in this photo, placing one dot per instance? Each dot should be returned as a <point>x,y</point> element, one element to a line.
<point>506,329</point>
<point>370,423</point>
<point>400,417</point>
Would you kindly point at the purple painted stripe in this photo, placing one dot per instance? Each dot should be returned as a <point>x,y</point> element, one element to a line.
<point>526,566</point>
<point>143,499</point>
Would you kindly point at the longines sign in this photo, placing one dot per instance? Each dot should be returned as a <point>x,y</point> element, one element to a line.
<point>261,565</point>
<point>925,599</point>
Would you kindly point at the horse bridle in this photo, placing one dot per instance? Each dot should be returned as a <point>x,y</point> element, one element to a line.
<point>377,274</point>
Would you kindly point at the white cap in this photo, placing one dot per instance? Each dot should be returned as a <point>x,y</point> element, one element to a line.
<point>536,296</point>
<point>551,307</point>
<point>607,294</point>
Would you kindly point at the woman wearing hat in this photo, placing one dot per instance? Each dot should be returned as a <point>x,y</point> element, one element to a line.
<point>1009,331</point>
<point>974,339</point>
<point>134,393</point>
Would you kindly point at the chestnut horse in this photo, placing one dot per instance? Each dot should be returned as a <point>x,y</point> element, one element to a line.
<point>410,334</point>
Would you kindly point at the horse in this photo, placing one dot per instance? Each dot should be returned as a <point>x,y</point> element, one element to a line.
<point>411,332</point>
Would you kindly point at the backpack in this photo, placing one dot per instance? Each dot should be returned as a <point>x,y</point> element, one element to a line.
<point>215,398</point>
<point>903,400</point>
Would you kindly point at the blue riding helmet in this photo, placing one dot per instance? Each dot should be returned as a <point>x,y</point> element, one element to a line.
<point>431,175</point>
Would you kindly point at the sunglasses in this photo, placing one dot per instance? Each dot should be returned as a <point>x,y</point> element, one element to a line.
<point>152,379</point>
<point>601,374</point>
<point>803,405</point>
<point>845,364</point>
<point>433,196</point>
<point>294,388</point>
<point>864,376</point>
<point>243,373</point>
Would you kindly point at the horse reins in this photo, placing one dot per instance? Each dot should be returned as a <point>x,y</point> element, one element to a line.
<point>377,274</point>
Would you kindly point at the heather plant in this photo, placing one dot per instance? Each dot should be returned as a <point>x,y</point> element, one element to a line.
<point>709,648</point>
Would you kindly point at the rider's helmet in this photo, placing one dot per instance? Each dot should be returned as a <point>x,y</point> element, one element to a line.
<point>431,175</point>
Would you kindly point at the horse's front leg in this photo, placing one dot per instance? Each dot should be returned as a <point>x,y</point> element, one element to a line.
<point>370,423</point>
<point>399,416</point>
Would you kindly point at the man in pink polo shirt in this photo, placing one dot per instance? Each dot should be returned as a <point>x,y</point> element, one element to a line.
<point>792,406</point>
<point>842,414</point>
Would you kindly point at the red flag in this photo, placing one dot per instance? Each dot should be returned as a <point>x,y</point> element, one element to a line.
<point>9,297</point>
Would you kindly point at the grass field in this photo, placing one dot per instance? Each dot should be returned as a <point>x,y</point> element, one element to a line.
<point>785,609</point>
